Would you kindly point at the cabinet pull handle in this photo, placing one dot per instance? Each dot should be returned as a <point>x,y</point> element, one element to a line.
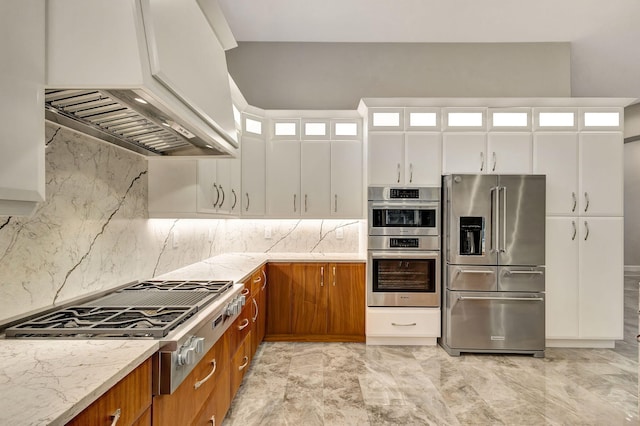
<point>257,279</point>
<point>503,249</point>
<point>305,203</point>
<point>398,169</point>
<point>575,230</point>
<point>586,198</point>
<point>222,202</point>
<point>255,317</point>
<point>575,201</point>
<point>215,203</point>
<point>213,370</point>
<point>247,208</point>
<point>521,299</point>
<point>410,172</point>
<point>322,276</point>
<point>235,199</point>
<point>334,276</point>
<point>212,420</point>
<point>404,325</point>
<point>586,227</point>
<point>495,161</point>
<point>245,291</point>
<point>264,275</point>
<point>335,208</point>
<point>481,161</point>
<point>294,202</point>
<point>509,272</point>
<point>245,362</point>
<point>116,416</point>
<point>243,324</point>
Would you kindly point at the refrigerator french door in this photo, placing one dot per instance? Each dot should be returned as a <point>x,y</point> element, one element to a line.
<point>493,264</point>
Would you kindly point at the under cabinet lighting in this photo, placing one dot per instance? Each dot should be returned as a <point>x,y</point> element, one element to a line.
<point>601,119</point>
<point>140,100</point>
<point>422,119</point>
<point>253,126</point>
<point>346,129</point>
<point>285,129</point>
<point>315,129</point>
<point>386,119</point>
<point>464,119</point>
<point>510,119</point>
<point>556,119</point>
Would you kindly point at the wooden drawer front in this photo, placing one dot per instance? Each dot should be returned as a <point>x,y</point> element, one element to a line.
<point>240,327</point>
<point>131,395</point>
<point>257,281</point>
<point>182,405</point>
<point>246,291</point>
<point>403,322</point>
<point>240,364</point>
<point>144,419</point>
<point>218,403</point>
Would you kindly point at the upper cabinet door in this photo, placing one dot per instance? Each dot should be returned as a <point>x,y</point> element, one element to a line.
<point>601,174</point>
<point>556,155</point>
<point>283,179</point>
<point>253,176</point>
<point>464,153</point>
<point>187,58</point>
<point>315,171</point>
<point>509,153</point>
<point>386,158</point>
<point>346,179</point>
<point>423,152</point>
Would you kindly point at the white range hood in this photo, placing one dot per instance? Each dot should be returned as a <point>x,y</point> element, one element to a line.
<point>148,75</point>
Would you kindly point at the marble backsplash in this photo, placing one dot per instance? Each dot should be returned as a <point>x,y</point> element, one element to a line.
<point>93,232</point>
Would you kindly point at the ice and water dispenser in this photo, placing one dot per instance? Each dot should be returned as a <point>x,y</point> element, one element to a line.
<point>471,235</point>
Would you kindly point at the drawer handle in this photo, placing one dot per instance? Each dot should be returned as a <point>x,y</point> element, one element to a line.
<point>116,416</point>
<point>212,420</point>
<point>508,272</point>
<point>523,299</point>
<point>243,324</point>
<point>257,279</point>
<point>256,305</point>
<point>245,291</point>
<point>264,274</point>
<point>245,362</point>
<point>201,382</point>
<point>404,325</point>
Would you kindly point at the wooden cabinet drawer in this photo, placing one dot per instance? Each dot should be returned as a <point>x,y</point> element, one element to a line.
<point>218,403</point>
<point>258,279</point>
<point>403,322</point>
<point>131,395</point>
<point>144,419</point>
<point>182,405</point>
<point>240,363</point>
<point>240,327</point>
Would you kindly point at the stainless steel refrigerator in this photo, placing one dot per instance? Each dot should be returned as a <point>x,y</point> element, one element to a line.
<point>493,264</point>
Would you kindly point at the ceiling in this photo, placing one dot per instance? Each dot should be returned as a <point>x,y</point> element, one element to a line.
<point>604,36</point>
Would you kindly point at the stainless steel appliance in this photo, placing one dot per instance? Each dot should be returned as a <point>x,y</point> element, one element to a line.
<point>187,317</point>
<point>404,264</point>
<point>494,256</point>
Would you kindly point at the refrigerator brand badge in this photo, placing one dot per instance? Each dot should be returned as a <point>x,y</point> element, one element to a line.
<point>500,338</point>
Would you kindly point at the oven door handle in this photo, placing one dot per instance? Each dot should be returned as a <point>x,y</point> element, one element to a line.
<point>405,205</point>
<point>404,254</point>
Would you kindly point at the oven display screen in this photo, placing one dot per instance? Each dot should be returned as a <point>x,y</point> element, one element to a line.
<point>404,275</point>
<point>404,243</point>
<point>395,193</point>
<point>406,218</point>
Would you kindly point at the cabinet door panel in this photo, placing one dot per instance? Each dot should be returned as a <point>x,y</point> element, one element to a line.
<point>309,298</point>
<point>509,153</point>
<point>315,171</point>
<point>283,179</point>
<point>253,176</point>
<point>601,278</point>
<point>223,180</point>
<point>562,286</point>
<point>279,298</point>
<point>346,299</point>
<point>464,153</point>
<point>208,190</point>
<point>601,174</point>
<point>386,155</point>
<point>556,155</point>
<point>346,179</point>
<point>423,159</point>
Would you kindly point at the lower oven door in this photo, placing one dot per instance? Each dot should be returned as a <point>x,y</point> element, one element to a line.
<point>403,278</point>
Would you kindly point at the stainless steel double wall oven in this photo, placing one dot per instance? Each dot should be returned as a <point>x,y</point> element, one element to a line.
<point>404,247</point>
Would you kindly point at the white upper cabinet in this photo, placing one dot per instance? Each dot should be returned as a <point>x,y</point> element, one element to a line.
<point>346,179</point>
<point>422,162</point>
<point>22,140</point>
<point>218,186</point>
<point>464,153</point>
<point>509,153</point>
<point>315,179</point>
<point>253,197</point>
<point>283,179</point>
<point>386,158</point>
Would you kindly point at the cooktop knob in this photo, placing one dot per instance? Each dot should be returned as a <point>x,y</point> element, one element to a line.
<point>186,356</point>
<point>198,344</point>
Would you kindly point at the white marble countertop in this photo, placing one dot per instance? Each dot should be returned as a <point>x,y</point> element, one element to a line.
<point>48,382</point>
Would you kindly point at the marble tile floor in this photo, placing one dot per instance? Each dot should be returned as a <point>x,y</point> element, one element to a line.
<point>354,384</point>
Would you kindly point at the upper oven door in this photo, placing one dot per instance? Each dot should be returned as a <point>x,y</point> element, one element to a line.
<point>403,218</point>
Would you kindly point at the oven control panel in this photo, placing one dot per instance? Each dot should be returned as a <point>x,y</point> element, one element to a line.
<point>404,243</point>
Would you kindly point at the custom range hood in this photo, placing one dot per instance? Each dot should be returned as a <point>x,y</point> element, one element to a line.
<point>148,75</point>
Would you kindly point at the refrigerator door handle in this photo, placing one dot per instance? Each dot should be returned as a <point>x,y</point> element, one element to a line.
<point>525,299</point>
<point>494,223</point>
<point>509,272</point>
<point>503,248</point>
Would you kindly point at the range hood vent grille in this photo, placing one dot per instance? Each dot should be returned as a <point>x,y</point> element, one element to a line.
<point>124,118</point>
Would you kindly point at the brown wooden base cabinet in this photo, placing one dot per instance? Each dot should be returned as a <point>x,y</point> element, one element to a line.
<point>316,302</point>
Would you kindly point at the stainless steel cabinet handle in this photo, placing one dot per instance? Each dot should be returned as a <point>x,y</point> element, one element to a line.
<point>503,249</point>
<point>245,362</point>
<point>524,272</point>
<point>255,317</point>
<point>215,203</point>
<point>264,283</point>
<point>481,161</point>
<point>294,202</point>
<point>475,271</point>
<point>495,161</point>
<point>221,202</point>
<point>410,172</point>
<point>116,416</point>
<point>213,370</point>
<point>235,199</point>
<point>243,324</point>
<point>335,208</point>
<point>322,276</point>
<point>575,201</point>
<point>334,276</point>
<point>586,227</point>
<point>524,299</point>
<point>586,198</point>
<point>495,201</point>
<point>404,325</point>
<point>398,168</point>
<point>305,203</point>
<point>575,230</point>
<point>247,208</point>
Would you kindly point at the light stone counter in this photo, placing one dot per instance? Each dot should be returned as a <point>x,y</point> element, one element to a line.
<point>48,382</point>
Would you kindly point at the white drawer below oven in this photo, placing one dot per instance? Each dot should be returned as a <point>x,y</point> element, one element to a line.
<point>403,322</point>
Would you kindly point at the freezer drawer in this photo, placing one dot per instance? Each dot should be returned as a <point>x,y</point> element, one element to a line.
<point>494,322</point>
<point>474,278</point>
<point>521,278</point>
